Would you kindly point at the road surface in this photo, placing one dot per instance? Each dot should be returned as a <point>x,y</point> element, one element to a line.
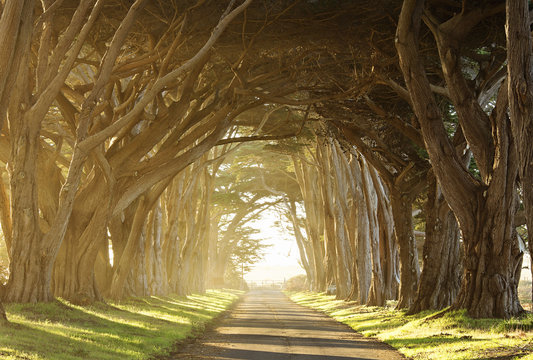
<point>266,325</point>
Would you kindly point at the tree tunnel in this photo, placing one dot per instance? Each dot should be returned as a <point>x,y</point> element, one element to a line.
<point>141,138</point>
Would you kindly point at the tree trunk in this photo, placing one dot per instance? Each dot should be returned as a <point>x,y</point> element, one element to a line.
<point>74,271</point>
<point>3,316</point>
<point>103,268</point>
<point>493,259</point>
<point>340,206</point>
<point>30,266</point>
<point>329,219</point>
<point>363,259</point>
<point>155,266</point>
<point>137,282</point>
<point>409,268</point>
<point>519,70</point>
<point>388,250</point>
<point>307,176</point>
<point>127,259</point>
<point>489,288</point>
<point>484,210</point>
<point>291,206</point>
<point>440,279</point>
<point>376,296</point>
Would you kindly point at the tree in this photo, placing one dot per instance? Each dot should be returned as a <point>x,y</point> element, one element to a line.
<point>484,208</point>
<point>520,94</point>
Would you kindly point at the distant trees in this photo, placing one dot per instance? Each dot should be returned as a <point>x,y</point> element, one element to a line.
<point>349,231</point>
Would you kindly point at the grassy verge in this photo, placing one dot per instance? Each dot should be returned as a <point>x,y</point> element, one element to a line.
<point>453,336</point>
<point>134,329</point>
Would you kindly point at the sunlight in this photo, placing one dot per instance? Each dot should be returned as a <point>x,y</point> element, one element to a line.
<point>281,259</point>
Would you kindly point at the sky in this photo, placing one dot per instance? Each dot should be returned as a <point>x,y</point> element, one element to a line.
<point>281,258</point>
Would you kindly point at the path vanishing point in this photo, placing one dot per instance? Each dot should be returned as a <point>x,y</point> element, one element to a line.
<point>266,325</point>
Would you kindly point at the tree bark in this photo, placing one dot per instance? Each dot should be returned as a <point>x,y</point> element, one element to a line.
<point>330,260</point>
<point>3,316</point>
<point>74,272</point>
<point>291,207</point>
<point>388,250</point>
<point>519,70</point>
<point>156,269</point>
<point>409,269</point>
<point>377,291</point>
<point>363,259</point>
<point>30,265</point>
<point>340,206</point>
<point>126,260</point>
<point>440,279</point>
<point>484,210</point>
<point>307,177</point>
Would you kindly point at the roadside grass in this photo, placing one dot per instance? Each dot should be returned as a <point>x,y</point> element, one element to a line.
<point>452,336</point>
<point>139,328</point>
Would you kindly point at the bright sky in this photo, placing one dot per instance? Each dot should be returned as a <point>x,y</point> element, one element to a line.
<point>281,258</point>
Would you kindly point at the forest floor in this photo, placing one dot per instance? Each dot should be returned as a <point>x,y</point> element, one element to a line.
<point>266,325</point>
<point>139,328</point>
<point>452,336</point>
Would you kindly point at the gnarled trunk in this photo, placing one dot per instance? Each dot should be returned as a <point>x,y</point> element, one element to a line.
<point>440,279</point>
<point>493,259</point>
<point>123,265</point>
<point>73,275</point>
<point>31,263</point>
<point>520,60</point>
<point>484,209</point>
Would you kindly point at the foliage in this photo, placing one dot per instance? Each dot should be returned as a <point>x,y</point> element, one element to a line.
<point>451,335</point>
<point>248,251</point>
<point>252,178</point>
<point>296,283</point>
<point>134,329</point>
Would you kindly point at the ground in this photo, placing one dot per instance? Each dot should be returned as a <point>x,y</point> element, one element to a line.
<point>266,325</point>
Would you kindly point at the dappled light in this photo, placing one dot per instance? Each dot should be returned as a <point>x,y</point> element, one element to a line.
<point>174,169</point>
<point>129,329</point>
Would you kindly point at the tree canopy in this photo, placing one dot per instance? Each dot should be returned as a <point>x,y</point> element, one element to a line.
<point>133,125</point>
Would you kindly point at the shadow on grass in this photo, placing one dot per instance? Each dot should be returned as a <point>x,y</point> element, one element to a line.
<point>24,342</point>
<point>429,341</point>
<point>131,329</point>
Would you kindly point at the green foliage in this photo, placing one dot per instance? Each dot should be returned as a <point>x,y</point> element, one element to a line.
<point>135,329</point>
<point>474,170</point>
<point>451,335</point>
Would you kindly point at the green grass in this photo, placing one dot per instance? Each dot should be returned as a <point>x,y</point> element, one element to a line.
<point>134,329</point>
<point>452,336</point>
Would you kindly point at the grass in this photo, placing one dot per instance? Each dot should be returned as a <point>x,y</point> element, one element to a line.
<point>140,328</point>
<point>452,336</point>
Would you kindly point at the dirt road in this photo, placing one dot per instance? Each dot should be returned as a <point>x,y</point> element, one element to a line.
<point>266,325</point>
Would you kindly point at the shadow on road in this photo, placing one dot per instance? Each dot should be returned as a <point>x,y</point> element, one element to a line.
<point>268,326</point>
